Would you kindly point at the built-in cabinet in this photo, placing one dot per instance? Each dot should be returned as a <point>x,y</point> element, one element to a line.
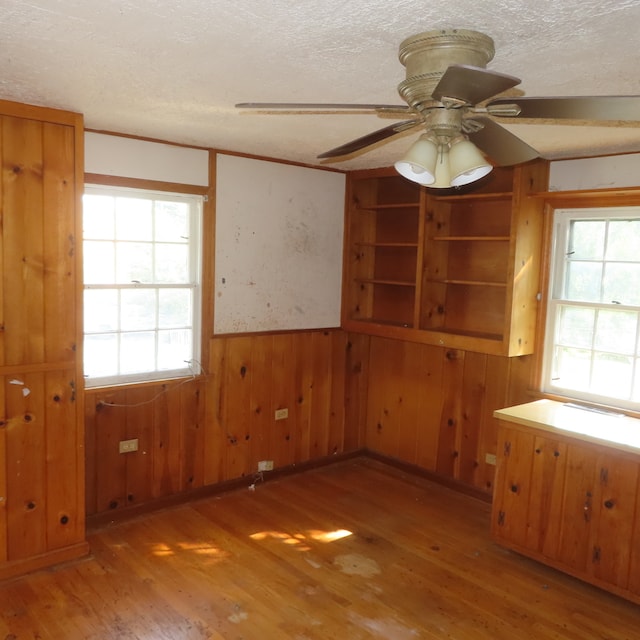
<point>41,417</point>
<point>454,269</point>
<point>569,501</point>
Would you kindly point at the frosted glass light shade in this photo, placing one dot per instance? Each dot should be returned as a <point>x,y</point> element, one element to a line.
<point>418,164</point>
<point>443,172</point>
<point>467,163</point>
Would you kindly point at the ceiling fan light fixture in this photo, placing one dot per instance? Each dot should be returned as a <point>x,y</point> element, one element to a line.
<point>466,162</point>
<point>419,162</point>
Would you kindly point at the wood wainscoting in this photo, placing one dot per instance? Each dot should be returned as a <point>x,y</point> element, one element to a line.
<point>216,427</point>
<point>426,406</point>
<point>432,407</point>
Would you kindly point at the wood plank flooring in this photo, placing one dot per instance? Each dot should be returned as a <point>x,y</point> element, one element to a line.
<point>350,551</point>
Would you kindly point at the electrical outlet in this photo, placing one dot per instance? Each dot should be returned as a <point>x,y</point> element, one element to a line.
<point>265,465</point>
<point>282,414</point>
<point>128,446</point>
<point>490,458</point>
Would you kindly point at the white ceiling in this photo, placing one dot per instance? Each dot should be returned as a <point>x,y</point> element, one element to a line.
<point>173,69</point>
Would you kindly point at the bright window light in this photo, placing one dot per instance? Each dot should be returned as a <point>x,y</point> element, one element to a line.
<point>141,285</point>
<point>592,347</point>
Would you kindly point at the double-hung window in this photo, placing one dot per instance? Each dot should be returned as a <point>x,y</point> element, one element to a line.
<point>592,347</point>
<point>141,285</point>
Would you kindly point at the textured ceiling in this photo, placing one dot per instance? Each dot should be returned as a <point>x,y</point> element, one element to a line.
<point>173,69</point>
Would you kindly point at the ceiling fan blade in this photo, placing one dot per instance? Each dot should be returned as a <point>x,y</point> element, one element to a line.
<point>576,108</point>
<point>318,106</point>
<point>471,84</point>
<point>502,146</point>
<point>370,138</point>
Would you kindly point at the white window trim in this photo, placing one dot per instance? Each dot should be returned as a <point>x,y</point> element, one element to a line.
<point>192,367</point>
<point>557,275</point>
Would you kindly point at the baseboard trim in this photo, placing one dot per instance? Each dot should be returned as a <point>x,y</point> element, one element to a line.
<point>414,469</point>
<point>115,516</point>
<point>17,568</point>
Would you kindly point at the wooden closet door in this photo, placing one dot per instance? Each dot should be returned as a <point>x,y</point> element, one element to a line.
<point>41,442</point>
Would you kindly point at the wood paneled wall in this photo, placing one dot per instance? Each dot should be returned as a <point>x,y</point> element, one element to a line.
<point>420,404</point>
<point>218,426</point>
<point>433,407</point>
<point>253,376</point>
<point>167,419</point>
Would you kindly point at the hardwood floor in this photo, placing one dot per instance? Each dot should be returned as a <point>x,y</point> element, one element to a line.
<point>354,550</point>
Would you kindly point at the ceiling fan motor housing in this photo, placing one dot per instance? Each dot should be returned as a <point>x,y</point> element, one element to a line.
<point>426,56</point>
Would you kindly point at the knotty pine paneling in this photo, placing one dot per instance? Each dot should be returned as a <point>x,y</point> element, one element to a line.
<point>252,376</point>
<point>217,427</point>
<point>42,459</point>
<point>38,246</point>
<point>41,436</point>
<point>425,405</point>
<point>433,407</point>
<point>168,421</point>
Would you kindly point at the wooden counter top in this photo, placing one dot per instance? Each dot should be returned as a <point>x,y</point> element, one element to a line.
<point>601,427</point>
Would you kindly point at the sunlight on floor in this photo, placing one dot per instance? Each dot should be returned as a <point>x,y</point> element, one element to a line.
<point>302,540</point>
<point>199,548</point>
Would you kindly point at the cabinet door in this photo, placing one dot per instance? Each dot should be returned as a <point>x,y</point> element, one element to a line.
<point>513,486</point>
<point>577,508</point>
<point>545,501</point>
<point>614,503</point>
<point>41,435</point>
<point>634,560</point>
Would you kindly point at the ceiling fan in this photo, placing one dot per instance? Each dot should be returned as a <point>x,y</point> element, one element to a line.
<point>451,95</point>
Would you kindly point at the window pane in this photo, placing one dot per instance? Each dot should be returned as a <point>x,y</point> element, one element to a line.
<point>98,217</point>
<point>137,309</point>
<point>100,310</point>
<point>137,352</point>
<point>174,308</point>
<point>134,262</point>
<point>172,221</point>
<point>572,368</point>
<point>576,327</point>
<point>622,241</point>
<point>612,375</point>
<point>140,284</point>
<point>595,295</point>
<point>586,240</point>
<point>101,355</point>
<point>174,348</point>
<point>584,281</point>
<point>622,283</point>
<point>133,219</point>
<point>98,261</point>
<point>172,263</point>
<point>616,331</point>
